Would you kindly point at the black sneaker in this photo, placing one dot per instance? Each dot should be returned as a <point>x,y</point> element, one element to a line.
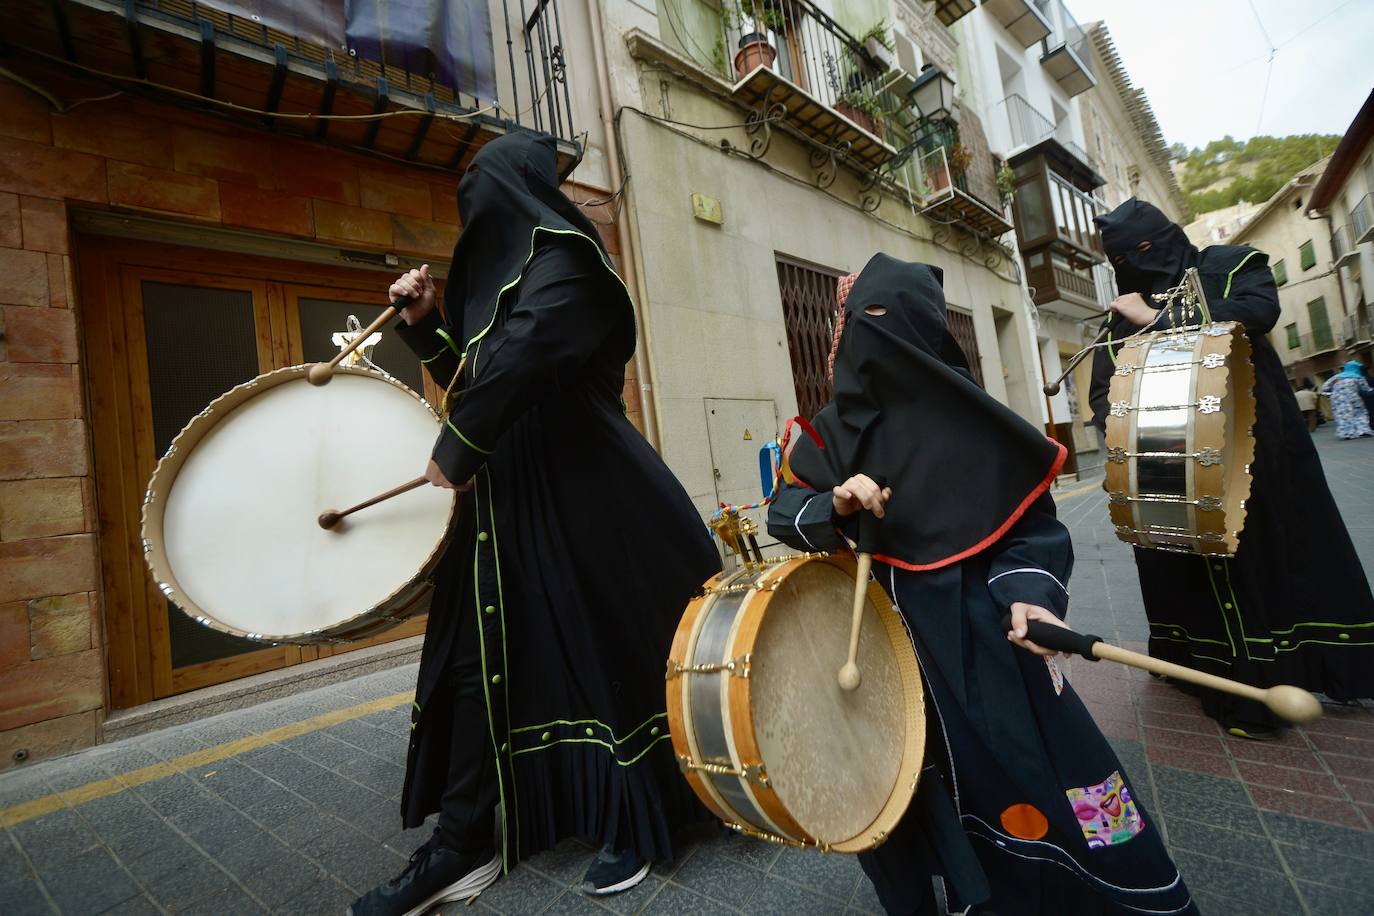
<point>435,875</point>
<point>613,872</point>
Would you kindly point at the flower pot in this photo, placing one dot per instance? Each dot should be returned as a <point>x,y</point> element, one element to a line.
<point>879,52</point>
<point>860,117</point>
<point>754,52</point>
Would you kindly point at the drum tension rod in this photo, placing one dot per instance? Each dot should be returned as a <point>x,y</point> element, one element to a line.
<point>739,667</point>
<point>753,772</point>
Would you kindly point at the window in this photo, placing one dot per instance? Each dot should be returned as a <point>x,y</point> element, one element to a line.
<point>1308,255</point>
<point>808,308</point>
<point>1321,325</point>
<point>1293,340</point>
<point>961,328</point>
<point>1280,271</point>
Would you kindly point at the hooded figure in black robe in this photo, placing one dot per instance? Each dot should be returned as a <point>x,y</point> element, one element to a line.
<point>573,555</point>
<point>1023,808</point>
<point>1293,606</point>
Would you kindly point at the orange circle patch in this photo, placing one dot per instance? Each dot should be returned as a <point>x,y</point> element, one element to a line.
<point>1025,822</point>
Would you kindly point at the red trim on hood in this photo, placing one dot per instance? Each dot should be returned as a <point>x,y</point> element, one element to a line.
<point>1002,529</point>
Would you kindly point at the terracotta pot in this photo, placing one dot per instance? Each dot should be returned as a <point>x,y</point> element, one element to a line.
<point>754,52</point>
<point>860,117</point>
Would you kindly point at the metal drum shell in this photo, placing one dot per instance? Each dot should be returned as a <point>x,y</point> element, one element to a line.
<point>749,806</point>
<point>409,599</point>
<point>1229,431</point>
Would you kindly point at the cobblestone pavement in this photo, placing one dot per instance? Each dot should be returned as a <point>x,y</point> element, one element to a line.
<point>291,807</point>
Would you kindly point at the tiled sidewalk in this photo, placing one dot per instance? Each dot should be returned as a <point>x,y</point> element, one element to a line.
<point>291,807</point>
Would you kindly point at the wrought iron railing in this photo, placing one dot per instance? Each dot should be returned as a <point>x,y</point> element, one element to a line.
<point>1362,219</point>
<point>393,49</point>
<point>1028,125</point>
<point>807,47</point>
<point>1341,247</point>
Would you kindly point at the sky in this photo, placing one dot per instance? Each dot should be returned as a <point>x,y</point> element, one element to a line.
<point>1203,63</point>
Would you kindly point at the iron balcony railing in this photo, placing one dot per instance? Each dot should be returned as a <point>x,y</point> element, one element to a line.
<point>1362,220</point>
<point>803,44</point>
<point>1029,127</point>
<point>1064,31</point>
<point>1342,251</point>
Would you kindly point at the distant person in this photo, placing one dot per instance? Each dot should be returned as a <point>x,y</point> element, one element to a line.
<point>1293,606</point>
<point>1307,399</point>
<point>1347,389</point>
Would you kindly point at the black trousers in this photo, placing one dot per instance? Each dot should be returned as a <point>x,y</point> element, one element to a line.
<point>467,810</point>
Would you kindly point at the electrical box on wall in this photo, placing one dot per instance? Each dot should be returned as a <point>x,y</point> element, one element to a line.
<point>707,209</point>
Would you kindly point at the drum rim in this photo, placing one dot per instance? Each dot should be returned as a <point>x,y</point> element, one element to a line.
<point>408,595</point>
<point>741,719</point>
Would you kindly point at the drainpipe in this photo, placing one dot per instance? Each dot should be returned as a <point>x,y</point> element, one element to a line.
<point>643,367</point>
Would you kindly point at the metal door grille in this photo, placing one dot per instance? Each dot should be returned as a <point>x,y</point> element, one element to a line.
<point>808,308</point>
<point>961,326</point>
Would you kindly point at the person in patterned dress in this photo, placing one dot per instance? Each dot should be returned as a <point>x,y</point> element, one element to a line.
<point>1345,389</point>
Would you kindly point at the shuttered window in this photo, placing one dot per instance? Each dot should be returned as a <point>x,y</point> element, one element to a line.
<point>808,308</point>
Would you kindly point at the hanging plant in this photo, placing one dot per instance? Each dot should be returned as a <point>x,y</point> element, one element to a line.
<point>1006,183</point>
<point>960,158</point>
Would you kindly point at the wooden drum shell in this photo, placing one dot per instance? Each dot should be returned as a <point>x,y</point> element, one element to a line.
<point>712,716</point>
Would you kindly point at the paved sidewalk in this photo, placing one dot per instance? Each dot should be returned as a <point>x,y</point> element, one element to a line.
<point>291,807</point>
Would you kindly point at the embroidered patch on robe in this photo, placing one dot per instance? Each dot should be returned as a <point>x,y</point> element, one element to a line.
<point>1106,812</point>
<point>1056,675</point>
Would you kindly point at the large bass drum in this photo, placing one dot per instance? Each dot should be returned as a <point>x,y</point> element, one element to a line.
<point>230,521</point>
<point>1180,439</point>
<point>760,726</point>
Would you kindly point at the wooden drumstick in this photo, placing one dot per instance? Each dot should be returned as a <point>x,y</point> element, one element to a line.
<point>321,373</point>
<point>850,676</point>
<point>1293,704</point>
<point>331,517</point>
<point>1052,388</point>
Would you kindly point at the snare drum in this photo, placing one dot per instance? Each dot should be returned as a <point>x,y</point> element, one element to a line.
<point>1180,439</point>
<point>766,737</point>
<point>230,520</point>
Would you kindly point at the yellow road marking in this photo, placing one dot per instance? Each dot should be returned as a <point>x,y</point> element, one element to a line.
<point>1078,491</point>
<point>69,798</point>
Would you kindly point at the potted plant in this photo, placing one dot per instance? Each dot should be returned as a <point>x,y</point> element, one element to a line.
<point>1006,183</point>
<point>863,109</point>
<point>878,45</point>
<point>959,159</point>
<point>755,47</point>
<point>755,51</point>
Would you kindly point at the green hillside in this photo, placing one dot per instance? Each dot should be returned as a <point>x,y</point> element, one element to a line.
<point>1227,171</point>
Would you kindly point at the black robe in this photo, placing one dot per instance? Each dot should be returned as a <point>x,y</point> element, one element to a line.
<point>1294,605</point>
<point>576,549</point>
<point>1005,734</point>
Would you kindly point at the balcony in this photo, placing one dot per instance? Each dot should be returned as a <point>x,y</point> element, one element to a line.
<point>944,196</point>
<point>1362,220</point>
<point>1030,127</point>
<point>1065,53</point>
<point>1342,251</point>
<point>280,66</point>
<point>951,11</point>
<point>1314,344</point>
<point>1054,208</point>
<point>1021,19</point>
<point>797,67</point>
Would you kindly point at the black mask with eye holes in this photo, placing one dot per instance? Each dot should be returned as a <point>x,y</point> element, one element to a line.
<point>962,466</point>
<point>1148,252</point>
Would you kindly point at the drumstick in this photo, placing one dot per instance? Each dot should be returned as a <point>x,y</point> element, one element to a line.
<point>850,677</point>
<point>1292,704</point>
<point>1052,388</point>
<point>321,373</point>
<point>331,517</point>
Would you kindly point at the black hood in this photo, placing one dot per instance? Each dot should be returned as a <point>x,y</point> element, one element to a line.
<point>1145,272</point>
<point>962,466</point>
<point>509,191</point>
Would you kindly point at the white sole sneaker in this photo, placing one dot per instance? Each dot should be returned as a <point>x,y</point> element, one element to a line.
<point>625,885</point>
<point>469,886</point>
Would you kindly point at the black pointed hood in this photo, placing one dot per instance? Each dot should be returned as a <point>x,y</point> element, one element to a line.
<point>509,191</point>
<point>1145,272</point>
<point>962,466</point>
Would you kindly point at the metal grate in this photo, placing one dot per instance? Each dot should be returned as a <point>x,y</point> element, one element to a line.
<point>808,308</point>
<point>961,327</point>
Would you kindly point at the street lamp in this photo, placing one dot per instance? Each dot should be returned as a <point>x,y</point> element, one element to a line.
<point>933,95</point>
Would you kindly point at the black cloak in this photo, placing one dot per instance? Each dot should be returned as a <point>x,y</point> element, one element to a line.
<point>900,379</point>
<point>577,550</point>
<point>1293,606</point>
<point>1007,808</point>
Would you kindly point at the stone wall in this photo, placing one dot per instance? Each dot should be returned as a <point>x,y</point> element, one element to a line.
<point>134,155</point>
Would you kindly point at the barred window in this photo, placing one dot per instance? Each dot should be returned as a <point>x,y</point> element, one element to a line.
<point>808,308</point>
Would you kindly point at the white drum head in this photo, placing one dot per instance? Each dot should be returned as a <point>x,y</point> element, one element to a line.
<point>240,527</point>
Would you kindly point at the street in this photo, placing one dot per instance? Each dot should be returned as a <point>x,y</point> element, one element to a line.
<point>291,806</point>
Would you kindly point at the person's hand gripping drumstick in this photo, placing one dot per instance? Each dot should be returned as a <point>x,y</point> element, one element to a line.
<point>412,297</point>
<point>860,493</point>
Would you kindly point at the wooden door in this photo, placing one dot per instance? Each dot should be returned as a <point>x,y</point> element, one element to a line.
<point>167,330</point>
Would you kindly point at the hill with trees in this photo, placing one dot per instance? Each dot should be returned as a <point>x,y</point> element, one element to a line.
<point>1227,171</point>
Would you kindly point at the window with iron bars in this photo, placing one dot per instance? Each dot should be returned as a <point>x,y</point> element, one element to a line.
<point>809,309</point>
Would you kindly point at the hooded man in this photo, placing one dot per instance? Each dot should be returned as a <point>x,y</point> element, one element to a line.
<point>1293,606</point>
<point>1023,809</point>
<point>573,555</point>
